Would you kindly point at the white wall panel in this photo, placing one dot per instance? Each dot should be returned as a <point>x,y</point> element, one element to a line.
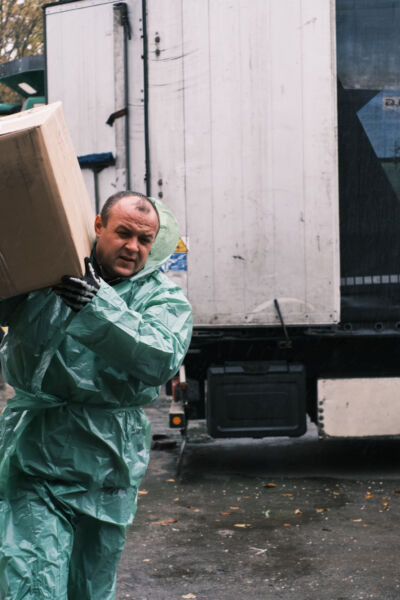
<point>80,44</point>
<point>84,71</point>
<point>243,136</point>
<point>166,109</point>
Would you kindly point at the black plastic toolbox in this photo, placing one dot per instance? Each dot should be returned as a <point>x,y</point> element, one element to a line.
<point>256,399</point>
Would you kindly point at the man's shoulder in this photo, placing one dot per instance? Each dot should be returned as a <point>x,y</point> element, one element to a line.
<point>162,281</point>
<point>158,284</point>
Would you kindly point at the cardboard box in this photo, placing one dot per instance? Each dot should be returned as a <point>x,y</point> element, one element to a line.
<point>46,218</point>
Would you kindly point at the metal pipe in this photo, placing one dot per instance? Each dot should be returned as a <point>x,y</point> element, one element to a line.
<point>123,8</point>
<point>146,98</point>
<point>127,37</point>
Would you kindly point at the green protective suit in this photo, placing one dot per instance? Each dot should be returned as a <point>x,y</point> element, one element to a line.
<point>74,440</point>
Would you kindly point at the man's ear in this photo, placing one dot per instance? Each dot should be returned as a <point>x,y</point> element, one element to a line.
<point>98,225</point>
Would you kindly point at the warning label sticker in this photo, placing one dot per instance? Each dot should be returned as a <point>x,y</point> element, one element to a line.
<point>178,260</point>
<point>181,246</point>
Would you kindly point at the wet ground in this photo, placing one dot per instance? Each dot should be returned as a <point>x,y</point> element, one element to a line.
<point>281,519</point>
<point>274,519</point>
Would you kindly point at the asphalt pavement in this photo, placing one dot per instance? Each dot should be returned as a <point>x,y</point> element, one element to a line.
<point>281,519</point>
<point>264,519</point>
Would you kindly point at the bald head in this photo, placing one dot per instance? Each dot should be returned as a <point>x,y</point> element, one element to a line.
<point>142,203</point>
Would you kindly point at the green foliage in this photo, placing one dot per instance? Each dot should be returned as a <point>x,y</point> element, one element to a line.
<point>21,34</point>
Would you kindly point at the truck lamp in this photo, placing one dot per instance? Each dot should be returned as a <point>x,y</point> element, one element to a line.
<point>177,417</point>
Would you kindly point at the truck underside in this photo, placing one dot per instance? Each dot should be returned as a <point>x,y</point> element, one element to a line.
<point>338,352</point>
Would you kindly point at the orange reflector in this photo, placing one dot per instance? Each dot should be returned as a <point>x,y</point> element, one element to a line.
<point>176,420</point>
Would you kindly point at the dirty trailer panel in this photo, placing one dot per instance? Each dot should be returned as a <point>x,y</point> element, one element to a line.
<point>242,133</point>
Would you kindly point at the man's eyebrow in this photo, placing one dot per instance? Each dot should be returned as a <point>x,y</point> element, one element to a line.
<point>143,234</point>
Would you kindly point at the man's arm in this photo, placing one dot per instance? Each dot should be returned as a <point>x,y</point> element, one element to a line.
<point>149,346</point>
<point>8,306</point>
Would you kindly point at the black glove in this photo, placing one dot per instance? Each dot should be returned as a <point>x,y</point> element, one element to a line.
<point>77,292</point>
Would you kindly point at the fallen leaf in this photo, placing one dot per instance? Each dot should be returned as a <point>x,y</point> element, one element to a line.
<point>175,500</point>
<point>270,485</point>
<point>321,510</point>
<point>336,493</point>
<point>326,529</point>
<point>189,596</point>
<point>171,480</point>
<point>369,495</point>
<point>224,513</point>
<point>357,520</point>
<point>143,492</point>
<point>298,512</point>
<point>259,551</point>
<point>164,522</point>
<point>287,524</point>
<point>234,507</point>
<point>196,510</point>
<point>385,504</point>
<point>396,492</point>
<point>242,525</point>
<point>288,495</point>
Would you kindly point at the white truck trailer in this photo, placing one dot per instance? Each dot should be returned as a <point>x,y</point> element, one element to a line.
<point>272,130</point>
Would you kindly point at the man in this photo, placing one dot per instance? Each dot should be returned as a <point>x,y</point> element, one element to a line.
<point>83,359</point>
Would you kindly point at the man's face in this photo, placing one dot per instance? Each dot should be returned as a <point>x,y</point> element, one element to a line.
<point>123,245</point>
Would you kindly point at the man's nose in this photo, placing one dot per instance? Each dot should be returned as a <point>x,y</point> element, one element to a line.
<point>132,244</point>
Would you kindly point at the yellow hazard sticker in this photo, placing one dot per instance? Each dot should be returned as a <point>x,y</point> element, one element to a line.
<point>181,246</point>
